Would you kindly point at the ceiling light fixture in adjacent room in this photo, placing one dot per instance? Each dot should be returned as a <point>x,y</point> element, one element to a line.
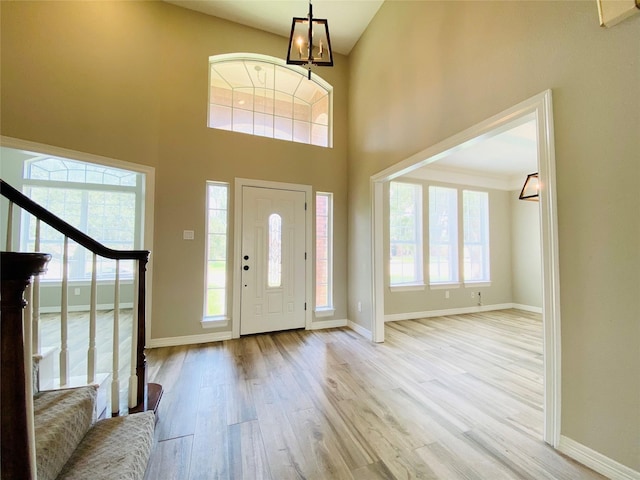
<point>531,188</point>
<point>309,42</point>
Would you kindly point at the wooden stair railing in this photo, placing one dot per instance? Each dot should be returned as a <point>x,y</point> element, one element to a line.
<point>147,396</point>
<point>17,444</point>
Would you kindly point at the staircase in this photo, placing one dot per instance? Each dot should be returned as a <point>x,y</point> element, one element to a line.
<point>54,433</point>
<point>70,444</point>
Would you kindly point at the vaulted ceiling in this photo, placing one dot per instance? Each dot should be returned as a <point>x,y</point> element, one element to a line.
<point>508,156</point>
<point>347,18</point>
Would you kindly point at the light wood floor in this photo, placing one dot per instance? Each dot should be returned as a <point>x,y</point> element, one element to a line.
<point>455,397</point>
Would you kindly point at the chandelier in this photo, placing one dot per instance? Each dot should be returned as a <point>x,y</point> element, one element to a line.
<point>309,42</point>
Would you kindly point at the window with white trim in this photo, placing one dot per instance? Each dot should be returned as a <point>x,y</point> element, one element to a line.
<point>262,95</point>
<point>405,234</point>
<point>324,251</point>
<point>103,202</point>
<point>443,235</point>
<point>217,240</point>
<point>475,214</point>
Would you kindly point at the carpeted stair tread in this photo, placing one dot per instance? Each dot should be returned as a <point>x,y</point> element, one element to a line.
<point>114,448</point>
<point>62,418</point>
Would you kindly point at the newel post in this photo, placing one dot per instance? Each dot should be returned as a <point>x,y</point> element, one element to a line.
<point>16,270</point>
<point>141,362</point>
<point>148,395</point>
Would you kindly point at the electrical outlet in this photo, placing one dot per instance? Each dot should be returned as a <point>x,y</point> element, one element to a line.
<point>359,306</point>
<point>446,294</point>
<point>76,291</point>
<point>473,294</point>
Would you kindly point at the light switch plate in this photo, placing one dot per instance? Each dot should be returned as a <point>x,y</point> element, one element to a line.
<point>188,235</point>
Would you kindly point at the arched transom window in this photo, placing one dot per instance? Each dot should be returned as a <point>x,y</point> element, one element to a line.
<point>264,96</point>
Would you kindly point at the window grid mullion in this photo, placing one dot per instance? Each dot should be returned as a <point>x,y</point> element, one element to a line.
<point>305,127</point>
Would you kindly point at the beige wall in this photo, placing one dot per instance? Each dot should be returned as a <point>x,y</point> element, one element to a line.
<point>526,260</point>
<point>424,71</point>
<point>498,292</point>
<point>128,80</point>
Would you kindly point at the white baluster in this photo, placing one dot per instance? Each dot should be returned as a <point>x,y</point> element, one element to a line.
<point>9,227</point>
<point>64,317</point>
<point>115,382</point>
<point>92,352</point>
<point>133,378</point>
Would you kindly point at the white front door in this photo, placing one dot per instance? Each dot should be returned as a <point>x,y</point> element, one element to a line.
<point>273,260</point>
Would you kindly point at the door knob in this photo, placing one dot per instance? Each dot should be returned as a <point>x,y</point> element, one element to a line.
<point>246,257</point>
<point>246,267</point>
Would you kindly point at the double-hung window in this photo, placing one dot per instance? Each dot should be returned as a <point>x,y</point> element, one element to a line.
<point>443,235</point>
<point>475,211</point>
<point>405,233</point>
<point>458,236</point>
<point>445,257</point>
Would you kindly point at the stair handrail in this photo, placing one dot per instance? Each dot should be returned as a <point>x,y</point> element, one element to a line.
<point>147,395</point>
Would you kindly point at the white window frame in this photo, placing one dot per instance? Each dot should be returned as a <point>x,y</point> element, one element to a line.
<point>220,319</point>
<point>269,61</point>
<point>328,309</point>
<point>84,188</point>
<point>148,195</point>
<point>484,240</point>
<point>418,241</point>
<point>453,240</point>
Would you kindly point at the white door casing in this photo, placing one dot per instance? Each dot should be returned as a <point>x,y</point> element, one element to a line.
<point>541,106</point>
<point>273,263</point>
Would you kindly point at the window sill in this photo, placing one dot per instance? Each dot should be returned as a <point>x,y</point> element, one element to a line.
<point>444,286</point>
<point>325,312</point>
<point>476,284</point>
<point>409,287</point>
<point>214,322</point>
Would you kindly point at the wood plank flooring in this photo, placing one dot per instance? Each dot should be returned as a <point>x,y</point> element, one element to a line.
<point>456,397</point>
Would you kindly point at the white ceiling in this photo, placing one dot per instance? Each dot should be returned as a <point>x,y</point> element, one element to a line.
<point>499,161</point>
<point>347,19</point>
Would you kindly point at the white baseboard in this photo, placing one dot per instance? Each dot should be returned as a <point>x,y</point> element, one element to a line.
<point>219,336</point>
<point>527,308</point>
<point>394,317</point>
<point>320,325</point>
<point>188,339</point>
<point>85,308</point>
<point>359,329</point>
<point>596,461</point>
